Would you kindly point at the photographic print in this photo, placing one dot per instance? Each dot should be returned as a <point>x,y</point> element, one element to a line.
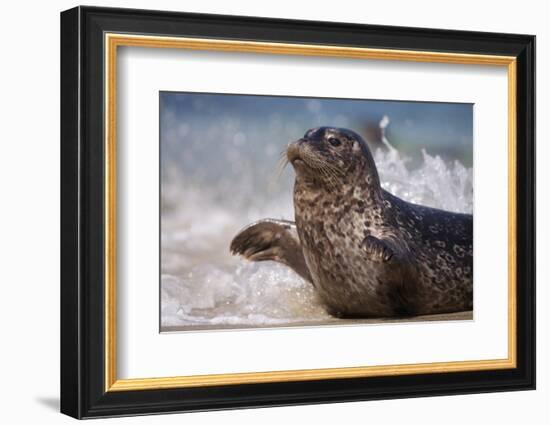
<point>322,190</point>
<point>288,211</point>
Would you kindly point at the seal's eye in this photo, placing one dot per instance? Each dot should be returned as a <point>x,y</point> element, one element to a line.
<point>334,141</point>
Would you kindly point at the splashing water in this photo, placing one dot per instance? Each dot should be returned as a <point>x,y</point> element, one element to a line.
<point>203,286</point>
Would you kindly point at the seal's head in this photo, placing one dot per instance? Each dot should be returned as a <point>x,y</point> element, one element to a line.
<point>332,157</point>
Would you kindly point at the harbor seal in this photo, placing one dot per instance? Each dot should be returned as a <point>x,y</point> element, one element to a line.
<point>367,252</point>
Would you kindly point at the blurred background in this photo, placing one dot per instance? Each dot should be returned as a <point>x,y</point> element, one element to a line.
<point>219,172</point>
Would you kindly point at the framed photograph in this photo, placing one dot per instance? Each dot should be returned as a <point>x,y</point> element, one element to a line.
<point>261,212</point>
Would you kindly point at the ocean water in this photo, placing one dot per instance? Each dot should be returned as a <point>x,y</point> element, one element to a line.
<point>203,286</point>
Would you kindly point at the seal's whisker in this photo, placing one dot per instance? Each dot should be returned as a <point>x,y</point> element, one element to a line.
<point>326,179</point>
<point>277,172</point>
<point>330,180</point>
<point>330,174</point>
<point>319,162</point>
<point>328,170</point>
<point>282,163</point>
<point>337,171</point>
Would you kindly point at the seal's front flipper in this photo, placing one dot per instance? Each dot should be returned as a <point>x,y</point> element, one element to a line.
<point>377,249</point>
<point>270,239</point>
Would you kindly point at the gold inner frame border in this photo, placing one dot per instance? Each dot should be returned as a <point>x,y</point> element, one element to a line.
<point>113,40</point>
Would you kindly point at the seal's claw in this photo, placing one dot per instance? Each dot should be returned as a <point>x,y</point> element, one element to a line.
<point>377,249</point>
<point>254,239</point>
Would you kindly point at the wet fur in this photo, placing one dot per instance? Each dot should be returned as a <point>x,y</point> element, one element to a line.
<point>367,252</point>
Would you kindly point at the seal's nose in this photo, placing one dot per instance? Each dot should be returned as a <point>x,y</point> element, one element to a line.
<point>293,150</point>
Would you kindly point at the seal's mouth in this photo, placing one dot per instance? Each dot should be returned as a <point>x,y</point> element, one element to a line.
<point>293,155</point>
<point>311,164</point>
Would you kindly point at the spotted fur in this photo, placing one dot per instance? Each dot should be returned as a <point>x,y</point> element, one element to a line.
<point>368,252</point>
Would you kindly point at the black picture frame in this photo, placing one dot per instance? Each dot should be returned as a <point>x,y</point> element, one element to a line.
<point>83,392</point>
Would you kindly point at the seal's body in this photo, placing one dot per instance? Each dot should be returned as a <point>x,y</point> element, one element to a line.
<point>367,252</point>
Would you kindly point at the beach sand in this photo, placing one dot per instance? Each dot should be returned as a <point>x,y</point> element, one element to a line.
<point>463,315</point>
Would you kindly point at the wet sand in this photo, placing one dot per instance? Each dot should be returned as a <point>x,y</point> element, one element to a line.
<point>463,315</point>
